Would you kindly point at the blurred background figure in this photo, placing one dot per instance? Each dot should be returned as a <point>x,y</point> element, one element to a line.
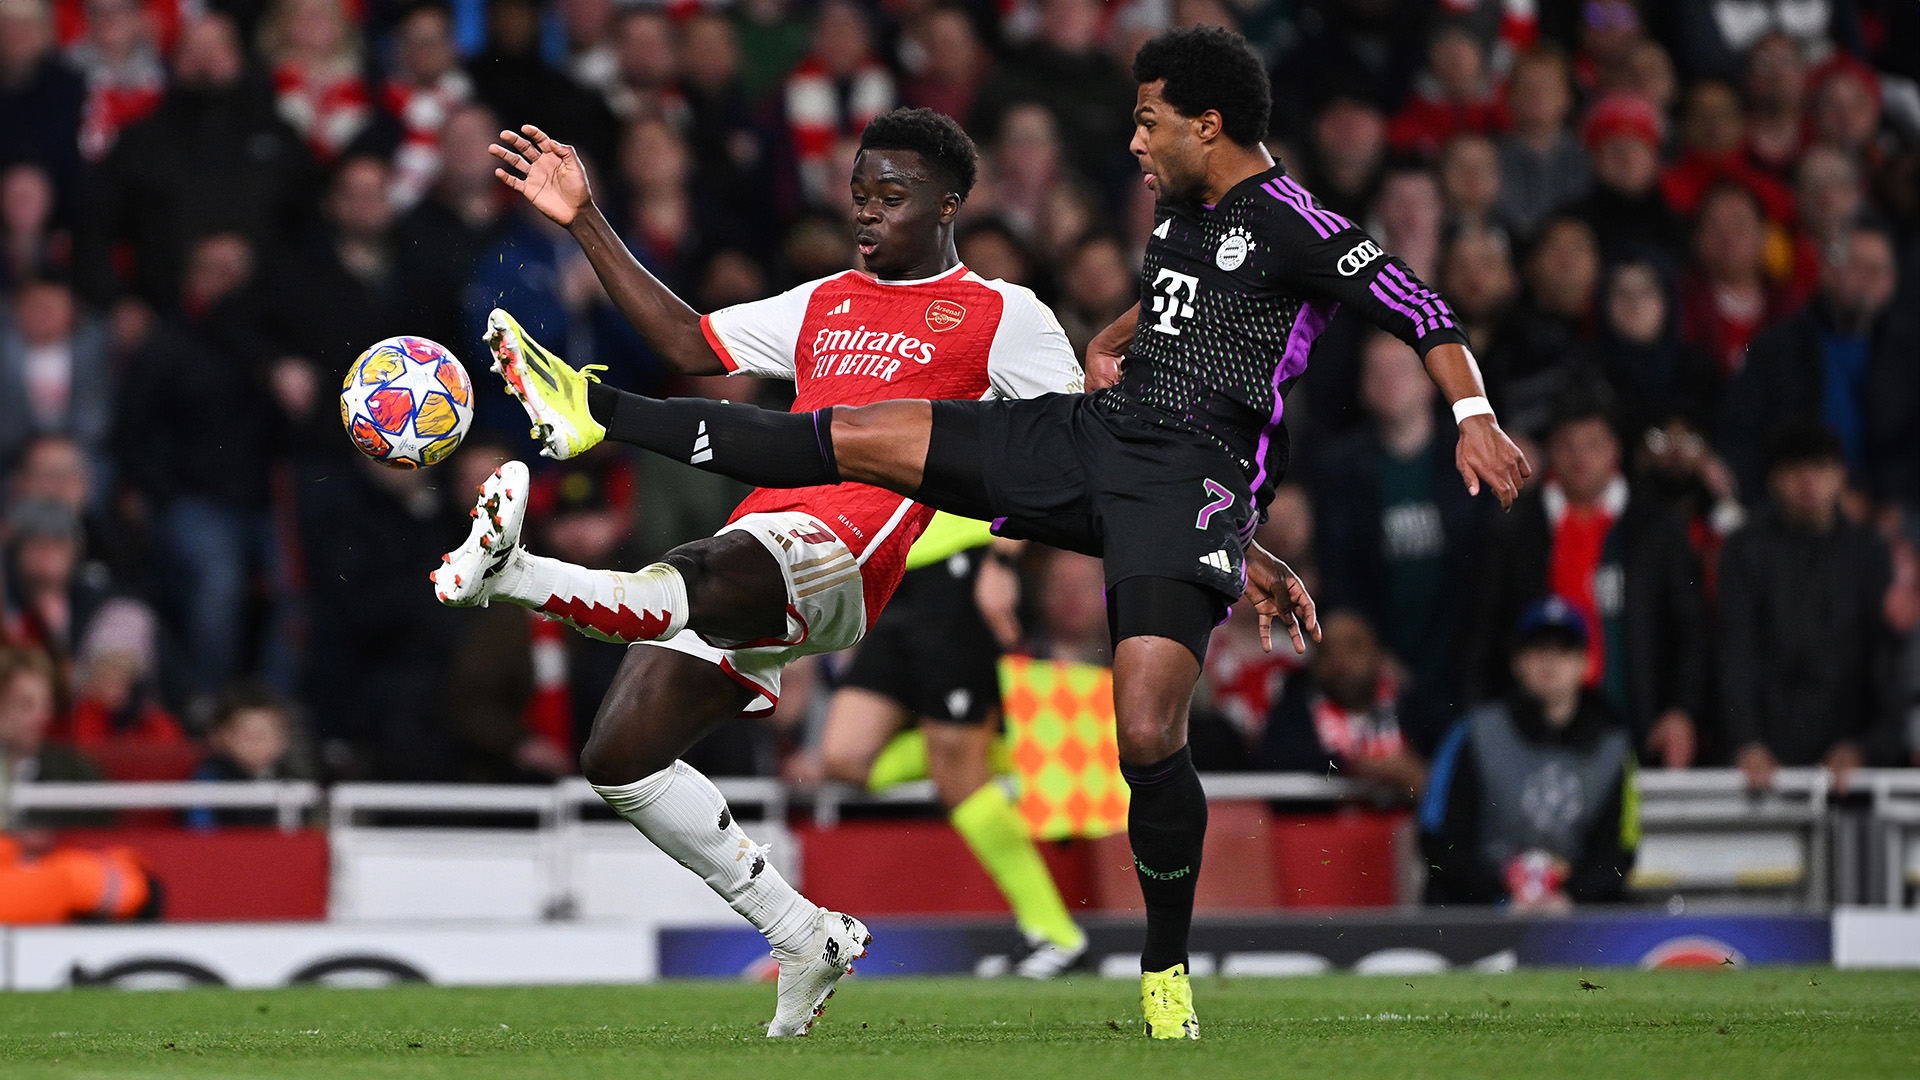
<point>1351,715</point>
<point>1531,799</point>
<point>251,738</point>
<point>1805,652</point>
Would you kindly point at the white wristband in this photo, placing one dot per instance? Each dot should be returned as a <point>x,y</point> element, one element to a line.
<point>1471,406</point>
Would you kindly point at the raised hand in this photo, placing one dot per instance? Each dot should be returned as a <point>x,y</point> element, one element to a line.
<point>1485,455</point>
<point>549,173</point>
<point>1276,592</point>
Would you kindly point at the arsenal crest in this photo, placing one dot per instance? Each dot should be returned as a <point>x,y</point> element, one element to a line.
<point>943,315</point>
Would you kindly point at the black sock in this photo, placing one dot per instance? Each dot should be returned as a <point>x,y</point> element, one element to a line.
<point>1166,825</point>
<point>750,444</point>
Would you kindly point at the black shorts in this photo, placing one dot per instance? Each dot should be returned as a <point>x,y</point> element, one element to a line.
<point>930,650</point>
<point>1070,471</point>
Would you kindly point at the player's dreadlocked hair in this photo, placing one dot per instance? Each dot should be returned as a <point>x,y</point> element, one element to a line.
<point>936,137</point>
<point>1207,67</point>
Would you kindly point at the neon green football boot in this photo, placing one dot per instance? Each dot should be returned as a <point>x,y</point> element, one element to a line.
<point>1167,999</point>
<point>552,392</point>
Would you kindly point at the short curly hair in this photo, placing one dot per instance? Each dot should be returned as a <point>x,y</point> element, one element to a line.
<point>936,137</point>
<point>1207,67</point>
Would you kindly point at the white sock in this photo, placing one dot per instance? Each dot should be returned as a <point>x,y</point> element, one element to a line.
<point>686,817</point>
<point>649,604</point>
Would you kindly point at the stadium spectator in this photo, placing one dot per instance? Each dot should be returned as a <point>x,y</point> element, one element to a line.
<point>1550,331</point>
<point>1345,154</point>
<point>1623,134</point>
<point>1530,801</point>
<point>252,738</point>
<point>1396,527</point>
<point>830,97</point>
<point>1776,90</point>
<point>513,79</point>
<point>212,158</point>
<point>1470,180</point>
<point>27,756</point>
<point>1828,197</point>
<point>1713,151</point>
<point>644,80</point>
<point>1618,558</point>
<point>1646,71</point>
<point>376,687</point>
<point>1098,286</point>
<point>1408,215</point>
<point>1846,359</point>
<point>672,224</point>
<point>1073,612</point>
<point>1239,686</point>
<point>1542,165</point>
<point>1089,94</point>
<point>32,244</point>
<point>1653,373</point>
<point>1025,170</point>
<point>1677,467</point>
<point>1843,108</point>
<point>320,305</point>
<point>592,60</point>
<point>312,49</point>
<point>990,248</point>
<point>121,64</point>
<point>421,92</point>
<point>733,155</point>
<point>1453,95</point>
<point>56,373</point>
<point>54,467</point>
<point>209,496</point>
<point>54,601</point>
<point>1725,294</point>
<point>41,98</point>
<point>466,209</point>
<point>115,681</point>
<point>1479,282</point>
<point>1351,714</point>
<point>945,61</point>
<point>1806,658</point>
<point>773,38</point>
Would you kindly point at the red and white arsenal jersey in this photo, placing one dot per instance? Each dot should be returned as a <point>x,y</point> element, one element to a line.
<point>852,340</point>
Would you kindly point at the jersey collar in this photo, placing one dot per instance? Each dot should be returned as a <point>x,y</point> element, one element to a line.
<point>958,269</point>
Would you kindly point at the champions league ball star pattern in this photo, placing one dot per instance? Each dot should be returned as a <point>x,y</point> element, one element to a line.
<point>406,402</point>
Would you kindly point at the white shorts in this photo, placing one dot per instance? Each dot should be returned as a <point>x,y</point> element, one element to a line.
<point>826,606</point>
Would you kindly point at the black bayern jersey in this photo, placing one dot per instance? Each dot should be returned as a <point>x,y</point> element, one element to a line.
<point>1231,299</point>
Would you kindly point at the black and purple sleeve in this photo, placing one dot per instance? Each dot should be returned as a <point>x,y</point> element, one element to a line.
<point>1323,255</point>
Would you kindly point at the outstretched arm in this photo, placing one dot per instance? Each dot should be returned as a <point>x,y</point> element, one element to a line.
<point>1276,592</point>
<point>549,174</point>
<point>1484,455</point>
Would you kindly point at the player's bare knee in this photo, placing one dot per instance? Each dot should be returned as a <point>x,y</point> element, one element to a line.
<point>1149,735</point>
<point>883,444</point>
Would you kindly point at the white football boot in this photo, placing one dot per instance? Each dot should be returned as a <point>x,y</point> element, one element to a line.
<point>1044,959</point>
<point>807,980</point>
<point>467,575</point>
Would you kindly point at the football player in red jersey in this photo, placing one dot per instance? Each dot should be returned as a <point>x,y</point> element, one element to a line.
<point>795,572</point>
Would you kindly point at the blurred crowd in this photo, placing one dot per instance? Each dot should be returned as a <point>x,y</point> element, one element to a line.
<point>1682,236</point>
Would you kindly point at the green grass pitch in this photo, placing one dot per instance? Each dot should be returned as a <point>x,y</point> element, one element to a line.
<point>1803,1023</point>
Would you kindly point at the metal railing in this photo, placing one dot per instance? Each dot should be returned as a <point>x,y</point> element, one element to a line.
<point>1696,803</point>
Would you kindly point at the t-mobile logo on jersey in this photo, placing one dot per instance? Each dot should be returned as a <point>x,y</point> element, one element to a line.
<point>1170,305</point>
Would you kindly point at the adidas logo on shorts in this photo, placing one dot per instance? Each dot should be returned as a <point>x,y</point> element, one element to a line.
<point>1218,560</point>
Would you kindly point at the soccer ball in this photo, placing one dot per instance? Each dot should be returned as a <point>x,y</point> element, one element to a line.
<point>406,402</point>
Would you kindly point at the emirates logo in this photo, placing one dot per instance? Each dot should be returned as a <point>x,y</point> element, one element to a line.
<point>944,315</point>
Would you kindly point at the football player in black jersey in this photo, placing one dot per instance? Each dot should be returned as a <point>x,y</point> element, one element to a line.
<point>1166,471</point>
